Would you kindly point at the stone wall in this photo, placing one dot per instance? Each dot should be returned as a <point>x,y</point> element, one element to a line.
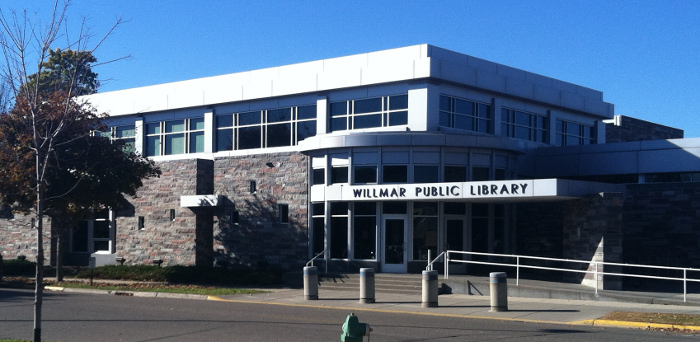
<point>625,128</point>
<point>571,230</point>
<point>18,238</point>
<point>173,241</point>
<point>593,232</point>
<point>662,223</point>
<point>249,231</point>
<point>539,229</point>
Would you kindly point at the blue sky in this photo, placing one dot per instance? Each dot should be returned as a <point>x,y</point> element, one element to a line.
<point>643,55</point>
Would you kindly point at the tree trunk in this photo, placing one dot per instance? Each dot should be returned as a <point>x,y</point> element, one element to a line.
<point>59,255</point>
<point>39,281</point>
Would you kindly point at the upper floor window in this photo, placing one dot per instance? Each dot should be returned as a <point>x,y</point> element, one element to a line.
<point>126,133</point>
<point>525,126</point>
<point>571,133</point>
<point>369,113</point>
<point>465,115</point>
<point>265,128</point>
<point>175,137</point>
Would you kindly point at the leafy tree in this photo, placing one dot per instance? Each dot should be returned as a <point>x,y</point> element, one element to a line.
<point>66,70</point>
<point>50,162</point>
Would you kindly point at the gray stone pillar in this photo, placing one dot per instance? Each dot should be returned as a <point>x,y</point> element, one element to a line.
<point>310,283</point>
<point>366,285</point>
<point>430,289</point>
<point>499,291</point>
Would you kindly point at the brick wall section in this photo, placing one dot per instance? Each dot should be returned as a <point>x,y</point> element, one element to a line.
<point>161,238</point>
<point>571,230</point>
<point>632,129</point>
<point>587,222</point>
<point>539,229</point>
<point>661,224</point>
<point>258,238</point>
<point>18,238</point>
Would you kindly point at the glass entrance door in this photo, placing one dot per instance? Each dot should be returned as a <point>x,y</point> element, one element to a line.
<point>455,229</point>
<point>394,249</point>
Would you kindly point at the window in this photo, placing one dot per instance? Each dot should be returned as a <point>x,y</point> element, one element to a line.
<point>571,134</point>
<point>318,177</point>
<point>283,210</point>
<point>369,113</point>
<point>365,174</point>
<point>175,137</point>
<point>126,134</point>
<point>425,174</point>
<point>455,174</point>
<point>318,211</point>
<point>425,222</point>
<point>524,126</point>
<point>465,115</point>
<point>339,174</point>
<point>480,173</point>
<point>265,128</point>
<point>365,230</point>
<point>339,230</point>
<point>395,174</point>
<point>93,235</point>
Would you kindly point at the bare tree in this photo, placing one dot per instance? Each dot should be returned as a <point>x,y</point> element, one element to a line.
<point>26,47</point>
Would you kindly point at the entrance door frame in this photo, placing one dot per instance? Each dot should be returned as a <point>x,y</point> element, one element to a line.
<point>390,267</point>
<point>466,240</point>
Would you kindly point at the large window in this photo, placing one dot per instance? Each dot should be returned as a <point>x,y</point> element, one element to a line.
<point>522,125</point>
<point>465,115</point>
<point>93,236</point>
<point>318,210</point>
<point>572,133</point>
<point>175,137</point>
<point>369,113</point>
<point>365,230</point>
<point>339,230</point>
<point>425,236</point>
<point>265,128</point>
<point>126,134</point>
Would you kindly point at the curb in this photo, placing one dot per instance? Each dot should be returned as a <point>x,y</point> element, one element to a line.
<point>645,326</point>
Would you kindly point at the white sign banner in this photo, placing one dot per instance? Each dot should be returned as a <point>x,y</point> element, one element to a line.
<point>433,191</point>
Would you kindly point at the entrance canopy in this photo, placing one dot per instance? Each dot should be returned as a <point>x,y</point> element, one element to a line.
<point>523,190</point>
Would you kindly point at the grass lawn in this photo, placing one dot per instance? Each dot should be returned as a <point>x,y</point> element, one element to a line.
<point>649,317</point>
<point>188,289</point>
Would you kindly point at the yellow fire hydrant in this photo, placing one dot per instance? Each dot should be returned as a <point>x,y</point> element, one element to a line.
<point>353,330</point>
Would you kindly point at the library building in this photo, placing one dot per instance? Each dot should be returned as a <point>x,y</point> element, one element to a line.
<point>383,159</point>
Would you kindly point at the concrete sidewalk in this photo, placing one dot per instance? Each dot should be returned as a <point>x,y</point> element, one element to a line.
<point>539,310</point>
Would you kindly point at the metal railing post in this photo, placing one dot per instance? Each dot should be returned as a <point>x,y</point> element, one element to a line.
<point>430,264</point>
<point>685,286</point>
<point>446,272</point>
<point>517,271</point>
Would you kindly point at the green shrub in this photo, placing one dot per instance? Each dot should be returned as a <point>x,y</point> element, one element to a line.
<point>135,272</point>
<point>18,267</point>
<point>189,275</point>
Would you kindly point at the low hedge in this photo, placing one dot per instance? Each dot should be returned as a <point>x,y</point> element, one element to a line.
<point>188,275</point>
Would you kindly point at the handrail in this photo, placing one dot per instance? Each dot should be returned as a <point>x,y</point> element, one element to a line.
<point>311,262</point>
<point>429,267</point>
<point>596,269</point>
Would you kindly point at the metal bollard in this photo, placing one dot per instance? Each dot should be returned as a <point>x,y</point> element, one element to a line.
<point>310,283</point>
<point>366,285</point>
<point>499,291</point>
<point>430,289</point>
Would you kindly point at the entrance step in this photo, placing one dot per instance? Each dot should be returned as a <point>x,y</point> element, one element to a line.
<point>383,283</point>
